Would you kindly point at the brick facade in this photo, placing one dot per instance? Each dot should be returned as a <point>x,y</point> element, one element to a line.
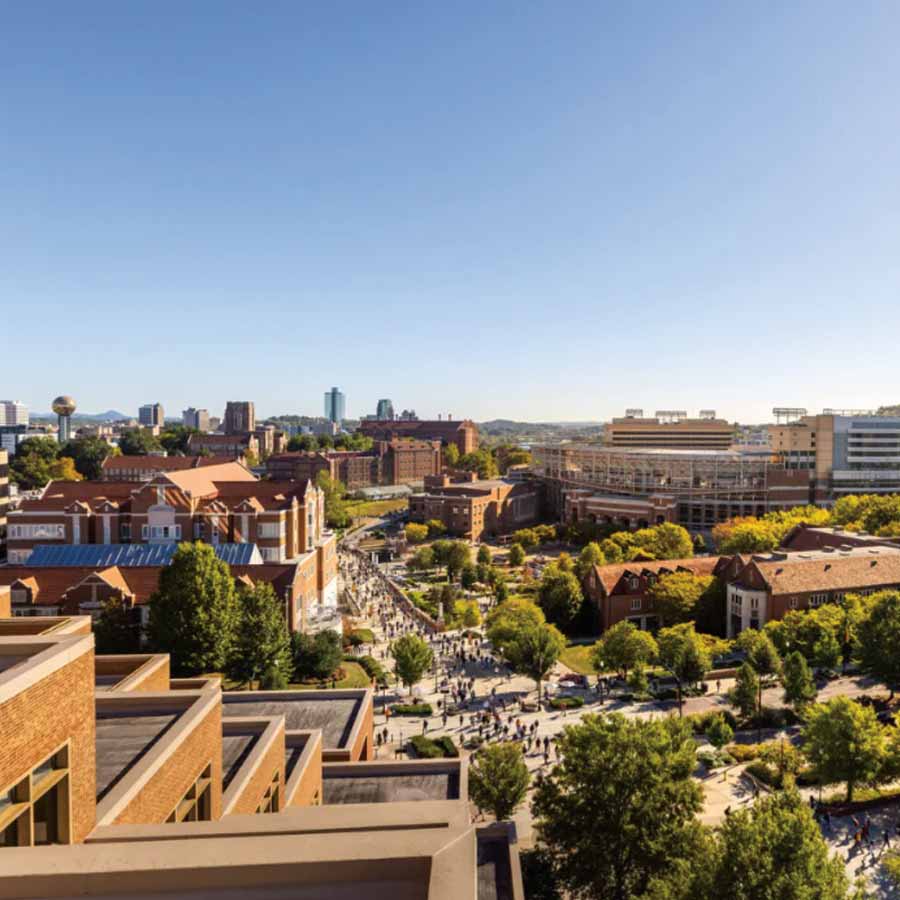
<point>448,431</point>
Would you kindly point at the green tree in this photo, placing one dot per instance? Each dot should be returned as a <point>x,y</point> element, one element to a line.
<point>458,557</point>
<point>669,541</point>
<point>743,694</point>
<point>719,732</point>
<point>302,443</point>
<point>263,644</point>
<point>117,630</point>
<point>536,652</point>
<point>175,438</point>
<point>138,442</point>
<point>194,611</point>
<point>480,461</point>
<point>638,682</point>
<point>878,637</point>
<point>560,595</point>
<point>501,590</point>
<point>88,454</point>
<point>799,688</point>
<point>468,577</point>
<point>316,656</point>
<point>683,653</point>
<point>762,655</point>
<point>421,560</point>
<point>526,538</point>
<point>612,551</point>
<point>31,466</point>
<point>827,651</point>
<point>506,620</point>
<point>590,556</point>
<point>516,555</point>
<point>498,779</point>
<point>412,659</point>
<point>844,741</point>
<point>638,805</point>
<point>451,456</point>
<point>774,849</point>
<point>623,647</point>
<point>336,514</point>
<point>435,528</point>
<point>676,597</point>
<point>416,533</point>
<point>484,555</point>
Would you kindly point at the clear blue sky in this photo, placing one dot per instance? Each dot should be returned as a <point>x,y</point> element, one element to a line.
<point>530,210</point>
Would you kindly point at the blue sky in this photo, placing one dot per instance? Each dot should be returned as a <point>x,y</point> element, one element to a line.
<point>530,210</point>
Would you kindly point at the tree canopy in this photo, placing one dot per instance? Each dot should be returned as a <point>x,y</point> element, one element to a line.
<point>623,647</point>
<point>138,442</point>
<point>316,656</point>
<point>678,597</point>
<point>412,659</point>
<point>560,595</point>
<point>263,645</point>
<point>88,454</point>
<point>878,638</point>
<point>498,779</point>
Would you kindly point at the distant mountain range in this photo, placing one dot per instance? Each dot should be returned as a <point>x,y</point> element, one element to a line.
<point>111,415</point>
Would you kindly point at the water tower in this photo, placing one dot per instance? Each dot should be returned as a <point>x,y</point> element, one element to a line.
<point>64,406</point>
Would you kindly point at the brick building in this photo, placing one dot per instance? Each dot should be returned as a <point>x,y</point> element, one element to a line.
<point>144,468</point>
<point>240,417</point>
<point>463,433</point>
<point>234,446</point>
<point>285,520</point>
<point>387,463</point>
<point>108,751</point>
<point>474,508</point>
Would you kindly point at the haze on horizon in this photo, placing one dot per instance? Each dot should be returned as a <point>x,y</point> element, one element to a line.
<point>542,214</point>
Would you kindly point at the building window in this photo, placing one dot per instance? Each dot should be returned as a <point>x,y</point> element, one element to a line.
<point>271,800</point>
<point>195,806</point>
<point>818,599</point>
<point>635,603</point>
<point>125,531</point>
<point>793,602</point>
<point>35,810</point>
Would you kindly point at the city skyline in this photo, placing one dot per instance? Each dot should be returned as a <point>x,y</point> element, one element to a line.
<point>666,208</point>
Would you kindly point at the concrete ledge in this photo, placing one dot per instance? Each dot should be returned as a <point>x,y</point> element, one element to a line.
<point>270,731</point>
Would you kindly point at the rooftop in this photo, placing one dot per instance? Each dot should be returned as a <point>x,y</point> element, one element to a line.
<point>102,555</point>
<point>387,786</point>
<point>236,747</point>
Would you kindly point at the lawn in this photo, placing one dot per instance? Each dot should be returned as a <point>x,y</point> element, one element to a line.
<point>578,658</point>
<point>354,677</point>
<point>374,508</point>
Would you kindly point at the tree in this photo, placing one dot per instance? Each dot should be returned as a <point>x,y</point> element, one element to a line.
<point>263,644</point>
<point>458,556</point>
<point>451,456</point>
<point>625,786</point>
<point>516,555</point>
<point>468,613</point>
<point>719,732</point>
<point>670,541</point>
<point>683,653</point>
<point>498,779</point>
<point>878,636</point>
<point>302,443</point>
<point>194,611</point>
<point>31,466</point>
<point>623,647</point>
<point>827,651</point>
<point>762,656</point>
<point>63,469</point>
<point>316,656</point>
<point>844,741</point>
<point>435,528</point>
<point>484,555</point>
<point>676,597</point>
<point>421,560</point>
<point>774,849</point>
<point>480,461</point>
<point>138,442</point>
<point>468,576</point>
<point>412,659</point>
<point>534,652</point>
<point>612,551</point>
<point>506,620</point>
<point>591,555</point>
<point>526,538</point>
<point>336,514</point>
<point>117,630</point>
<point>799,688</point>
<point>501,590</point>
<point>638,682</point>
<point>416,533</point>
<point>560,595</point>
<point>175,438</point>
<point>88,454</point>
<point>743,694</point>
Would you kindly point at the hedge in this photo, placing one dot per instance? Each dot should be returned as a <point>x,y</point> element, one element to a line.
<point>433,748</point>
<point>411,709</point>
<point>361,636</point>
<point>700,722</point>
<point>372,668</point>
<point>566,702</point>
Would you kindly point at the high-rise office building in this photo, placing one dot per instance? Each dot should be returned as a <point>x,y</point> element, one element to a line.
<point>384,410</point>
<point>195,418</point>
<point>334,406</point>
<point>13,412</point>
<point>240,417</point>
<point>151,414</point>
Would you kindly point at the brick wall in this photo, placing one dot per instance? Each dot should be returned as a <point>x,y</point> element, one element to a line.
<point>170,783</point>
<point>272,762</point>
<point>36,722</point>
<point>309,791</point>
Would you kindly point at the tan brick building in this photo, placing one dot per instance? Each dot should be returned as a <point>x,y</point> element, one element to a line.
<point>463,433</point>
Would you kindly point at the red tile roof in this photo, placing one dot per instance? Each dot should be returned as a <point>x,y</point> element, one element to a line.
<point>611,574</point>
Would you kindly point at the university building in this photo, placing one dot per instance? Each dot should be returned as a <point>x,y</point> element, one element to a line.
<point>463,433</point>
<point>118,780</point>
<point>387,463</point>
<point>472,509</point>
<point>670,431</point>
<point>285,520</point>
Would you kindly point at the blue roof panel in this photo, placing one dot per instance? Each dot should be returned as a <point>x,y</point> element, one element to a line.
<point>130,554</point>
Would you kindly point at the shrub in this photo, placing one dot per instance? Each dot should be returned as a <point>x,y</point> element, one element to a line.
<point>373,669</point>
<point>700,722</point>
<point>361,636</point>
<point>772,717</point>
<point>763,773</point>
<point>445,742</point>
<point>746,752</point>
<point>566,702</point>
<point>411,709</point>
<point>424,747</point>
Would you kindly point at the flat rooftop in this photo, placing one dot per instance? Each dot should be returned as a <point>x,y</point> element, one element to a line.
<point>868,552</point>
<point>123,739</point>
<point>389,788</point>
<point>302,711</point>
<point>494,869</point>
<point>236,747</point>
